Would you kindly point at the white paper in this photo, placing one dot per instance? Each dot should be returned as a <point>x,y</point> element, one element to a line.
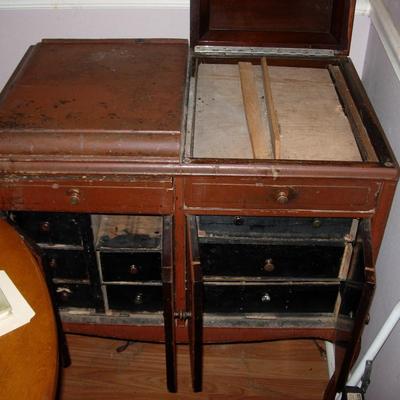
<point>21,312</point>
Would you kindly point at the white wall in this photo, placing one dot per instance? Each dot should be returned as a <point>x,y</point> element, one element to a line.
<point>383,87</point>
<point>20,28</point>
<point>23,26</point>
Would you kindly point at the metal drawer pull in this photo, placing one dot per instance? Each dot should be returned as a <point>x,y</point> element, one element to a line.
<point>282,197</point>
<point>45,226</point>
<point>238,221</point>
<point>134,270</point>
<point>74,196</point>
<point>139,299</point>
<point>53,263</point>
<point>268,265</point>
<point>266,298</point>
<point>64,293</point>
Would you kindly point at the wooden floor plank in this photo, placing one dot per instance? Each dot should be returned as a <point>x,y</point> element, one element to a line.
<point>253,371</point>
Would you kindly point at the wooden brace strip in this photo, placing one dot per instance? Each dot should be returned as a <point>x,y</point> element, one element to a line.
<point>253,110</point>
<point>272,116</point>
<point>360,133</point>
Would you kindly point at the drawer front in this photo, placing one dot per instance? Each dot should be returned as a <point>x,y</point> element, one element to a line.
<point>146,196</point>
<point>66,264</point>
<point>135,298</point>
<point>51,228</point>
<point>74,295</point>
<point>263,194</point>
<point>273,227</point>
<point>270,298</point>
<point>270,261</point>
<point>130,266</point>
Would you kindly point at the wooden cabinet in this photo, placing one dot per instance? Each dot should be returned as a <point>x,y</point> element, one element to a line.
<point>155,218</point>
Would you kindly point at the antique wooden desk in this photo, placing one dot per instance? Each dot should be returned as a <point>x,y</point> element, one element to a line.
<point>130,164</point>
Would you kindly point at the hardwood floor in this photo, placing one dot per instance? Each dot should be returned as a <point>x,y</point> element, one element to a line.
<point>256,371</point>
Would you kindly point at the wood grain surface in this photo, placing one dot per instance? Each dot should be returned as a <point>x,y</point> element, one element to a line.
<point>257,371</point>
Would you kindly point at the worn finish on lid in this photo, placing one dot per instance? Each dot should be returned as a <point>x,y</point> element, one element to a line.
<point>318,24</point>
<point>96,97</point>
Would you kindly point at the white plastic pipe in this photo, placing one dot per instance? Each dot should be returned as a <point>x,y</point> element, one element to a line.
<point>376,345</point>
<point>374,348</point>
<point>330,358</point>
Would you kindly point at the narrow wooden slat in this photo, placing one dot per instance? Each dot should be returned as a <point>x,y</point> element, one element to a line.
<point>195,301</point>
<point>253,110</point>
<point>360,133</point>
<point>168,294</point>
<point>272,116</point>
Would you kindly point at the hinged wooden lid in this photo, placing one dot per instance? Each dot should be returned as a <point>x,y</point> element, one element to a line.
<point>96,98</point>
<point>315,24</point>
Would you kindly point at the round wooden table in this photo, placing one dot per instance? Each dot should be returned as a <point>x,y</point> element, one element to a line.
<point>28,355</point>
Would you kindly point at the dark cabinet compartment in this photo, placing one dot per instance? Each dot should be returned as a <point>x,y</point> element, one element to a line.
<point>120,266</point>
<point>66,264</point>
<point>272,229</point>
<point>74,295</point>
<point>51,228</point>
<point>272,247</point>
<point>308,298</point>
<point>270,260</point>
<point>135,298</point>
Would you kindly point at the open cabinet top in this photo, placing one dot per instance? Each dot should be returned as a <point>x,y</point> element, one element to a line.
<point>307,24</point>
<point>80,104</point>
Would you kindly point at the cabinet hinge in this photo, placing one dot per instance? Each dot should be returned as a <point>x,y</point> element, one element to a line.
<point>260,51</point>
<point>182,315</point>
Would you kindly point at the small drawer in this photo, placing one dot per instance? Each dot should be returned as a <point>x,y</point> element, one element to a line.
<point>270,260</point>
<point>135,298</point>
<point>74,295</point>
<point>134,195</point>
<point>212,228</point>
<point>249,298</point>
<point>128,267</point>
<point>250,193</point>
<point>66,264</point>
<point>51,228</point>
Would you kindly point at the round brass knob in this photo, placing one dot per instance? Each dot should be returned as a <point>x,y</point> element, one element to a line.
<point>268,265</point>
<point>74,196</point>
<point>238,221</point>
<point>316,223</point>
<point>133,269</point>
<point>64,293</point>
<point>138,299</point>
<point>45,226</point>
<point>266,298</point>
<point>282,197</point>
